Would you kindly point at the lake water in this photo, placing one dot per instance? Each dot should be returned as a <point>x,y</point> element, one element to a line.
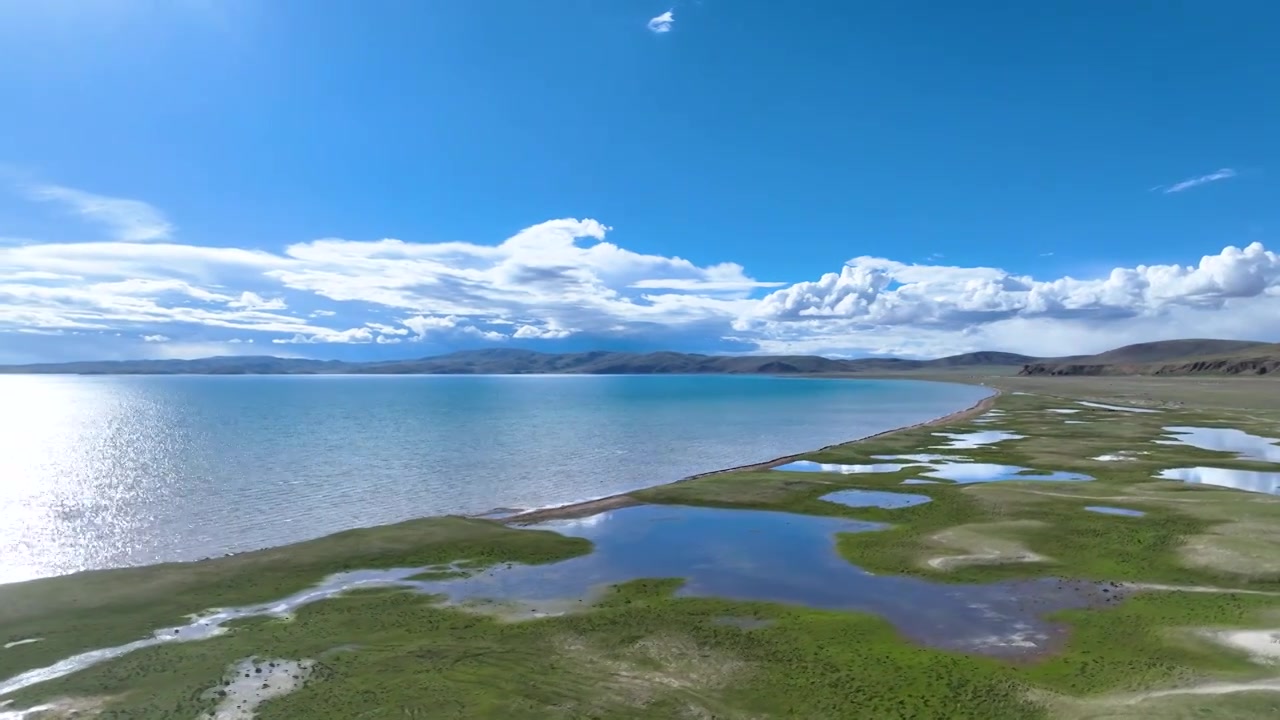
<point>108,471</point>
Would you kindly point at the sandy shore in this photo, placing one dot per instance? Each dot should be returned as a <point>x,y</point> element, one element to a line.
<point>621,500</point>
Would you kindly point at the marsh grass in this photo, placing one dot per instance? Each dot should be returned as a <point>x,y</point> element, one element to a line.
<point>112,607</point>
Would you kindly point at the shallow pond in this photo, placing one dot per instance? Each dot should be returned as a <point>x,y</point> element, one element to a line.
<point>1245,445</point>
<point>973,440</point>
<point>735,554</point>
<point>990,472</point>
<point>1106,510</point>
<point>810,466</point>
<point>875,498</point>
<point>1248,480</point>
<point>1121,408</point>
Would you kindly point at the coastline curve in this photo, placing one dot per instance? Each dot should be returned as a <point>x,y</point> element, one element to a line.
<point>586,508</point>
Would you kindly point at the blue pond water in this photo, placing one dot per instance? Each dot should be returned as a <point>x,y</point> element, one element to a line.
<point>1106,510</point>
<point>736,554</point>
<point>875,498</point>
<point>1247,480</point>
<point>990,472</point>
<point>787,558</point>
<point>1246,445</point>
<point>957,472</point>
<point>810,466</point>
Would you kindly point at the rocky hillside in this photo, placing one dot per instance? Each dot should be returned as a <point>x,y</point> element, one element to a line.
<point>1174,357</point>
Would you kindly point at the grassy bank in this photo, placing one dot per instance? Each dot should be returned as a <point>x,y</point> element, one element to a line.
<point>645,652</point>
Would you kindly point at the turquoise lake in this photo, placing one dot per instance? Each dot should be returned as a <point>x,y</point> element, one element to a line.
<point>106,471</point>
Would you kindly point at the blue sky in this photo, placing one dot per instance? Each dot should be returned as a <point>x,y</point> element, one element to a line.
<point>401,178</point>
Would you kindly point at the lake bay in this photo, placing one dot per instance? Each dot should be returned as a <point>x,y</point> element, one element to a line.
<point>107,471</point>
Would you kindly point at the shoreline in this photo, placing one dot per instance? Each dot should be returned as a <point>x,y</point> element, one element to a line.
<point>587,508</point>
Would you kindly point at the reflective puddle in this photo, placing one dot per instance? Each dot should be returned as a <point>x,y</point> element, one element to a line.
<point>1248,480</point>
<point>810,466</point>
<point>1063,411</point>
<point>875,498</point>
<point>1245,445</point>
<point>1121,408</point>
<point>990,472</point>
<point>918,481</point>
<point>957,472</point>
<point>1105,510</point>
<point>970,441</point>
<point>735,554</point>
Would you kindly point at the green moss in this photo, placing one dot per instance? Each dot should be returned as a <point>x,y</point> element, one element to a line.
<point>111,607</point>
<point>642,654</point>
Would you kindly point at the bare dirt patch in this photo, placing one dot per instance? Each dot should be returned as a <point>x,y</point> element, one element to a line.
<point>984,544</point>
<point>1240,548</point>
<point>660,667</point>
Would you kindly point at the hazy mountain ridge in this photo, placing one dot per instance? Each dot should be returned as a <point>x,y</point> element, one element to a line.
<point>508,361</point>
<point>1170,357</point>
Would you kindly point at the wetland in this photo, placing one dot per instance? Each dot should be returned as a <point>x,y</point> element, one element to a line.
<point>1035,569</point>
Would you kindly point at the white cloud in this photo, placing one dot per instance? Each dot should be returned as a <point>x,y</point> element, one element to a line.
<point>156,338</point>
<point>421,325</point>
<point>662,23</point>
<point>324,335</point>
<point>387,329</point>
<point>546,332</point>
<point>1223,174</point>
<point>127,220</point>
<point>253,301</point>
<point>563,278</point>
<point>878,291</point>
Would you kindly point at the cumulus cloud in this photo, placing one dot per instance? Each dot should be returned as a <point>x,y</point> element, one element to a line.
<point>878,291</point>
<point>662,23</point>
<point>156,338</point>
<point>253,301</point>
<point>127,220</point>
<point>563,278</point>
<point>326,335</point>
<point>1222,174</point>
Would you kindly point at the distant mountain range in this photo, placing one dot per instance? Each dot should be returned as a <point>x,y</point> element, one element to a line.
<point>1173,357</point>
<point>506,361</point>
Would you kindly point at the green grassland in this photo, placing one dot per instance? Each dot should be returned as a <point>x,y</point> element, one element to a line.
<point>643,652</point>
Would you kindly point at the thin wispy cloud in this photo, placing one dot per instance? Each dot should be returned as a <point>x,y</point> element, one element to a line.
<point>127,220</point>
<point>1222,174</point>
<point>662,23</point>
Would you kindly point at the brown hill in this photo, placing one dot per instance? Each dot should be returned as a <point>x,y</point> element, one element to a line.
<point>1171,357</point>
